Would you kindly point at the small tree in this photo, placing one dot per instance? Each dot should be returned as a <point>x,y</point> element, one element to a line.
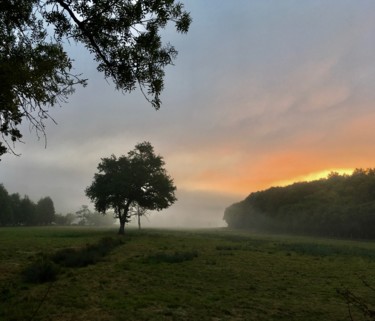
<point>87,217</point>
<point>138,178</point>
<point>83,213</point>
<point>138,211</point>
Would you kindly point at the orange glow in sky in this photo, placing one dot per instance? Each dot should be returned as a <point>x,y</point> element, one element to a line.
<point>277,94</point>
<point>314,176</point>
<point>211,181</point>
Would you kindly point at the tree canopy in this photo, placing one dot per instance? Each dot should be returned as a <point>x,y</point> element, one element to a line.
<point>136,179</point>
<point>338,206</point>
<point>46,210</point>
<point>36,72</point>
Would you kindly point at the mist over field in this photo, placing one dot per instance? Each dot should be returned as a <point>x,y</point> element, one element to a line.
<point>248,195</point>
<point>192,210</point>
<point>261,92</point>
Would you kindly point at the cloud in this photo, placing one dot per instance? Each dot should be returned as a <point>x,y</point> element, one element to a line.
<point>262,92</point>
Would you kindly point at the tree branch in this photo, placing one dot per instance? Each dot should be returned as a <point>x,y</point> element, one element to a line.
<point>88,35</point>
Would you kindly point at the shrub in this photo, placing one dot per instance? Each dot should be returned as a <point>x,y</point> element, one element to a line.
<point>90,254</point>
<point>45,268</point>
<point>41,271</point>
<point>74,258</point>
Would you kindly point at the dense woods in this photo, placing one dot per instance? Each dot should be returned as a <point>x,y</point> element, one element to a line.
<point>337,206</point>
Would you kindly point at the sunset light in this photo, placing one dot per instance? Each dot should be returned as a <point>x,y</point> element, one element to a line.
<point>314,176</point>
<point>187,160</point>
<point>278,93</point>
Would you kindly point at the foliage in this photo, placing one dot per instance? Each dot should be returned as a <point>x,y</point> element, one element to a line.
<point>87,217</point>
<point>45,210</point>
<point>338,206</point>
<point>6,210</point>
<point>64,219</point>
<point>83,213</point>
<point>35,70</point>
<point>15,210</point>
<point>138,178</point>
<point>29,211</point>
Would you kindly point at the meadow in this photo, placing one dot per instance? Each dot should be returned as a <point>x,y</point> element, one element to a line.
<point>184,275</point>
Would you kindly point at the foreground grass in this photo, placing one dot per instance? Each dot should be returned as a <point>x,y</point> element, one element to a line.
<point>184,275</point>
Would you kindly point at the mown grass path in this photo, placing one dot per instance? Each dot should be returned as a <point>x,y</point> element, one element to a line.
<point>185,275</point>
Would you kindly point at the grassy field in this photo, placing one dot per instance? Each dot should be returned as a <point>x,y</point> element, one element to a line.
<point>184,275</point>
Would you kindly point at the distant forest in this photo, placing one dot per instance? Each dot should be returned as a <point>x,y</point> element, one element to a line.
<point>22,211</point>
<point>337,206</point>
<point>17,210</point>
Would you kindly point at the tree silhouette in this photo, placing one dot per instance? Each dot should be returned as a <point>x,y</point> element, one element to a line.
<point>138,178</point>
<point>35,70</point>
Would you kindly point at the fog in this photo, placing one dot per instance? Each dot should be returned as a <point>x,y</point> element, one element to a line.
<point>261,92</point>
<point>192,210</point>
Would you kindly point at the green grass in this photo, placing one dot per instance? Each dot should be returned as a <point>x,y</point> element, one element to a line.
<point>184,275</point>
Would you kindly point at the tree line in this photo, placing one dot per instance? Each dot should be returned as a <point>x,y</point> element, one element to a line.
<point>16,210</point>
<point>22,211</point>
<point>336,206</point>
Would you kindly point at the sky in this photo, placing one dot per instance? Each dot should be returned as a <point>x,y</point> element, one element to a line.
<point>262,93</point>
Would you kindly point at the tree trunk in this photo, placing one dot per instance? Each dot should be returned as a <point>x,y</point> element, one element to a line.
<point>121,231</point>
<point>139,221</point>
<point>123,218</point>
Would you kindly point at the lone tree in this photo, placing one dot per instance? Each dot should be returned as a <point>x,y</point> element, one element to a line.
<point>35,70</point>
<point>138,178</point>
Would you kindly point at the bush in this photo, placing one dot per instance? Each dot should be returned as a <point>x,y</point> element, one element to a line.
<point>41,271</point>
<point>90,254</point>
<point>74,258</point>
<point>46,268</point>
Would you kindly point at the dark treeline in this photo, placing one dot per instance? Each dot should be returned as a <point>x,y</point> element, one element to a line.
<point>338,206</point>
<point>16,210</point>
<point>21,211</point>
